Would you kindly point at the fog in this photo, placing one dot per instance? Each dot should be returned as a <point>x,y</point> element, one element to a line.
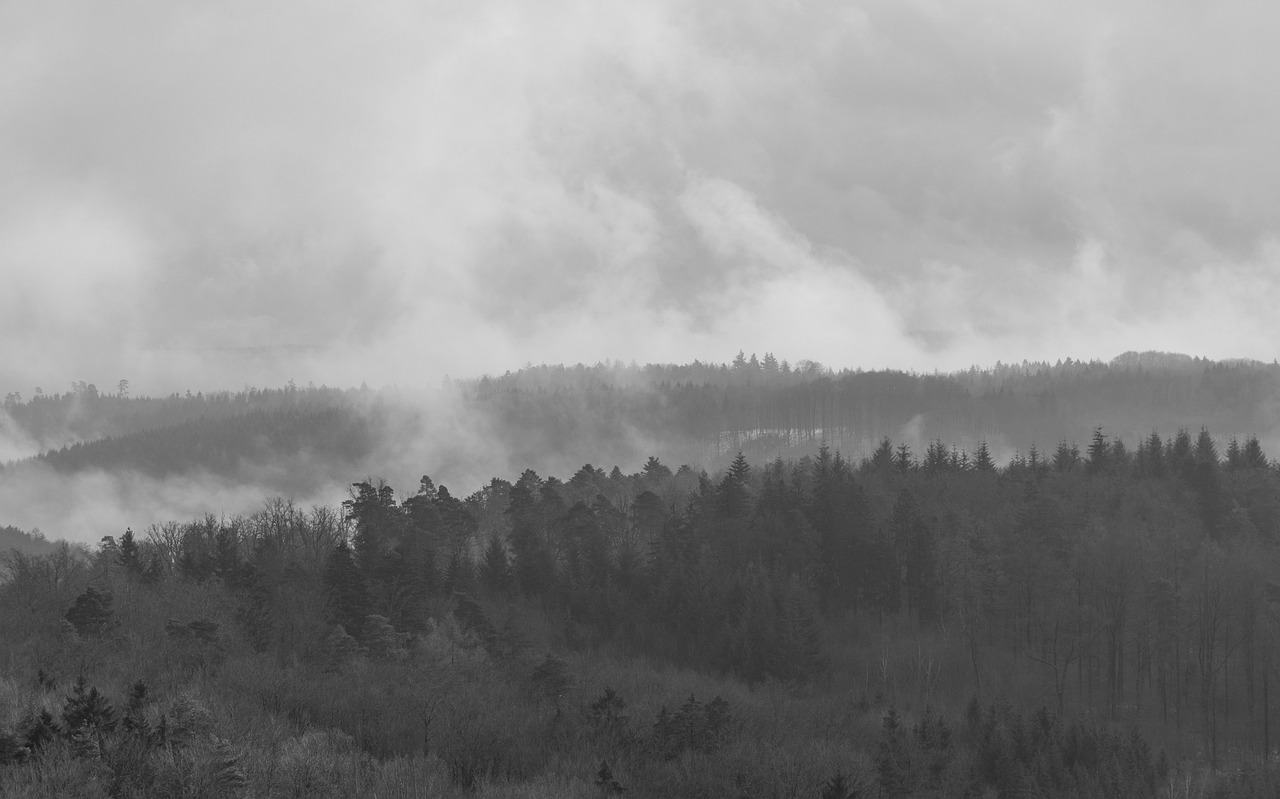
<point>208,196</point>
<point>212,195</point>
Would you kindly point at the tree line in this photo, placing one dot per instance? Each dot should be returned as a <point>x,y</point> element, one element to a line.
<point>1132,582</point>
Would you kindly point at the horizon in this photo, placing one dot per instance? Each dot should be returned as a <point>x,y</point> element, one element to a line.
<point>444,378</point>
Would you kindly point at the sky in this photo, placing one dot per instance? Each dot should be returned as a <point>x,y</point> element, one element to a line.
<point>218,193</point>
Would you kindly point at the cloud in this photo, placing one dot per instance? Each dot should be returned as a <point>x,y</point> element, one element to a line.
<point>225,193</point>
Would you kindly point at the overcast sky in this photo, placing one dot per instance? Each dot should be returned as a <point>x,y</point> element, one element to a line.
<point>213,193</point>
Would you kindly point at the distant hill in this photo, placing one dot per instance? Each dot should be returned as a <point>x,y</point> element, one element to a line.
<point>85,414</point>
<point>557,417</point>
<point>28,543</point>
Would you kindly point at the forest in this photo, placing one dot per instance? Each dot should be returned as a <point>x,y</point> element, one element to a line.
<point>1088,619</point>
<point>554,418</point>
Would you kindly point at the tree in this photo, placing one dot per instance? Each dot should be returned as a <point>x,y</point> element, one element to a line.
<point>1206,481</point>
<point>87,709</point>
<point>495,568</point>
<point>345,594</point>
<point>378,520</point>
<point>902,460</point>
<point>882,457</point>
<point>128,553</point>
<point>916,557</point>
<point>533,566</point>
<point>1099,453</point>
<point>982,460</point>
<point>655,469</point>
<point>1252,457</point>
<point>734,489</point>
<point>91,613</point>
<point>1066,457</point>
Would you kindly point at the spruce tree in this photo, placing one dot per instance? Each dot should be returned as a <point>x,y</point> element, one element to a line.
<point>982,460</point>
<point>1099,453</point>
<point>733,491</point>
<point>128,553</point>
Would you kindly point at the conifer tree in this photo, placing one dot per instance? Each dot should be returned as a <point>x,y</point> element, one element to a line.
<point>1066,457</point>
<point>655,469</point>
<point>495,569</point>
<point>86,708</point>
<point>345,593</point>
<point>91,614</point>
<point>882,457</point>
<point>902,460</point>
<point>982,460</point>
<point>128,553</point>
<point>734,489</point>
<point>1252,456</point>
<point>1099,453</point>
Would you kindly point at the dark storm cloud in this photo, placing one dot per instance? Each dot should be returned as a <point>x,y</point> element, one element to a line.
<point>223,193</point>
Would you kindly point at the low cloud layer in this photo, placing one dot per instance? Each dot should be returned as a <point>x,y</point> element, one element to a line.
<point>230,193</point>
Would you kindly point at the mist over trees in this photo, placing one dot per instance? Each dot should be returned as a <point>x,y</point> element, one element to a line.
<point>553,417</point>
<point>1060,598</point>
<point>979,621</point>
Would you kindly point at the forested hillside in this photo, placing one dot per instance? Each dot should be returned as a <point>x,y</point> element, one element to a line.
<point>52,421</point>
<point>553,417</point>
<point>31,543</point>
<point>1093,619</point>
